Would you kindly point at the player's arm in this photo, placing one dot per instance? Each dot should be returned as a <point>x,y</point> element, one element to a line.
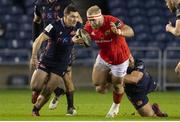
<point>37,43</point>
<point>125,30</point>
<point>174,30</point>
<point>134,77</point>
<point>36,23</point>
<point>82,37</point>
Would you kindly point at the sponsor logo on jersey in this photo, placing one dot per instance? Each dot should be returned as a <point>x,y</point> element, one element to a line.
<point>102,41</point>
<point>107,32</point>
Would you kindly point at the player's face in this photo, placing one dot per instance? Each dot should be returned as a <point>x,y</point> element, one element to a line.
<point>96,23</point>
<point>72,18</point>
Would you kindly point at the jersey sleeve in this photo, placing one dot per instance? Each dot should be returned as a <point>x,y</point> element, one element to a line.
<point>36,8</point>
<point>119,23</point>
<point>178,11</point>
<point>50,30</point>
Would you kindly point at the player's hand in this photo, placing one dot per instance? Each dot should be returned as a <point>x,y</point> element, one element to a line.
<point>168,26</point>
<point>78,40</point>
<point>177,69</point>
<point>115,29</point>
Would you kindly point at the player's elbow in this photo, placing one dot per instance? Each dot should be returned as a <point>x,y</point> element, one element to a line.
<point>177,32</point>
<point>131,32</point>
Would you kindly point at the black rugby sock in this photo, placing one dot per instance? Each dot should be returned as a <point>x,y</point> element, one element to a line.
<point>70,100</point>
<point>59,91</point>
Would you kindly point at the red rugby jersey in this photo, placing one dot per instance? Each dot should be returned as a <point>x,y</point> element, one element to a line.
<point>113,48</point>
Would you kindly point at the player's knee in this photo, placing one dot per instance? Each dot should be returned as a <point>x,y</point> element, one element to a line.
<point>46,92</point>
<point>70,88</point>
<point>118,88</point>
<point>100,89</point>
<point>34,86</point>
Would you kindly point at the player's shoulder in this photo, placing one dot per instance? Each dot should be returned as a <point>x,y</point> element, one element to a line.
<point>110,17</point>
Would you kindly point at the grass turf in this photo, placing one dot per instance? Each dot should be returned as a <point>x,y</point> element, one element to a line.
<point>16,105</point>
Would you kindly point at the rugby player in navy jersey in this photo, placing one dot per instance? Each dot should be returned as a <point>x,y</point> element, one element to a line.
<point>138,84</point>
<point>45,12</point>
<point>174,7</point>
<point>54,61</point>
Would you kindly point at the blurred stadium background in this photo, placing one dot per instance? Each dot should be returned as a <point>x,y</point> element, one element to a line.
<point>159,49</point>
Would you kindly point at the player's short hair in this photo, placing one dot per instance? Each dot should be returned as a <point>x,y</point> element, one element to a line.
<point>70,9</point>
<point>93,10</point>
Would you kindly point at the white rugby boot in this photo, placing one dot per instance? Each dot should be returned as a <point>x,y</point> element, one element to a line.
<point>113,111</point>
<point>53,104</point>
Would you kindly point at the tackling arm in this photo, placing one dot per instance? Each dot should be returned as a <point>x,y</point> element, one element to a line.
<point>133,78</point>
<point>36,45</point>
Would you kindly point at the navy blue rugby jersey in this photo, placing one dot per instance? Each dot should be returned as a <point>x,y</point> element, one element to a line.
<point>50,11</point>
<point>59,47</point>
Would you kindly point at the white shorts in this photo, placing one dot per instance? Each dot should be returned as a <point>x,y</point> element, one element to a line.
<point>117,70</point>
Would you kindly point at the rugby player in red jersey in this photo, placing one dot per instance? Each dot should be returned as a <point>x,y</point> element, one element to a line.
<point>109,34</point>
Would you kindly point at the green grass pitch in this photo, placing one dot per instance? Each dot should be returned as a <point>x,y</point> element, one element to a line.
<point>16,105</point>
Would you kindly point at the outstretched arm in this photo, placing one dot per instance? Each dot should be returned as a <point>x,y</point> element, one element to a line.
<point>133,78</point>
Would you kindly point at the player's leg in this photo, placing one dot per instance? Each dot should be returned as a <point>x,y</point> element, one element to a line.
<point>145,109</point>
<point>37,82</point>
<point>141,103</point>
<point>99,77</point>
<point>177,69</point>
<point>52,83</point>
<point>69,92</point>
<point>118,73</point>
<point>54,102</point>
